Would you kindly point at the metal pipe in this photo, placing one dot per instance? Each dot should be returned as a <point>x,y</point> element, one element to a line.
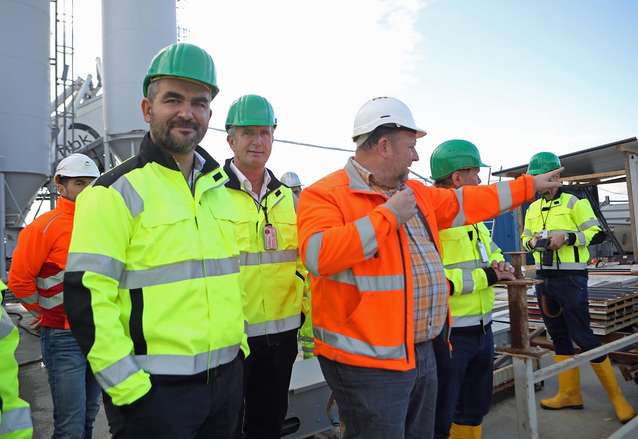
<point>519,326</point>
<point>525,398</point>
<point>630,429</point>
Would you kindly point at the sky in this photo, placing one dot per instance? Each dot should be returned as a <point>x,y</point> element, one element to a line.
<point>513,77</point>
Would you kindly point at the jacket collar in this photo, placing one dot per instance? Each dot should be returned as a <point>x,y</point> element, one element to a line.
<point>65,205</point>
<point>557,196</point>
<point>234,183</point>
<point>356,181</point>
<point>151,152</point>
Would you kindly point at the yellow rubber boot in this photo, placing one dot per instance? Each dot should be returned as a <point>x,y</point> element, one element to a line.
<point>568,396</point>
<point>459,431</point>
<point>605,372</point>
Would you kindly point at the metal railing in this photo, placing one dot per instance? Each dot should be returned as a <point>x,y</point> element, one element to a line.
<point>525,377</point>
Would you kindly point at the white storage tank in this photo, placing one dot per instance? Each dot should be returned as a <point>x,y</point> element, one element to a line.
<point>132,33</point>
<point>24,104</point>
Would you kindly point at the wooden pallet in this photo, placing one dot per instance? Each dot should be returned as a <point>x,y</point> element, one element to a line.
<point>610,308</point>
<point>598,330</point>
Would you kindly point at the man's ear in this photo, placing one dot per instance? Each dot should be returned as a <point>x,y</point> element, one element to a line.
<point>146,110</point>
<point>456,178</point>
<point>384,146</point>
<point>231,142</point>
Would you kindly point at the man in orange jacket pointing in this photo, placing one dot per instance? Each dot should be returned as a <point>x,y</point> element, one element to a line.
<point>36,278</point>
<point>369,238</point>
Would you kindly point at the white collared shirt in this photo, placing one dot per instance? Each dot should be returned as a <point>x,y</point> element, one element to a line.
<point>247,186</point>
<point>198,165</point>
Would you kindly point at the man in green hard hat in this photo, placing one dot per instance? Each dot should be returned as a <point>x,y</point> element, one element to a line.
<point>559,227</point>
<point>472,263</point>
<point>272,275</point>
<point>152,279</point>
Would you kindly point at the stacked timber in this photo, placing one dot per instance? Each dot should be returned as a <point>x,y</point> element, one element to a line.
<point>612,307</point>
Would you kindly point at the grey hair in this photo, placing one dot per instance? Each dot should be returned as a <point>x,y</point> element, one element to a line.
<point>151,90</point>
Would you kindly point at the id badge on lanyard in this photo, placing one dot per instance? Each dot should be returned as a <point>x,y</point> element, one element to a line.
<point>270,237</point>
<point>482,251</point>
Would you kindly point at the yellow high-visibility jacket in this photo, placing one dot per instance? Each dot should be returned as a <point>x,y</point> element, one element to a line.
<point>472,298</point>
<point>15,414</point>
<point>272,280</point>
<point>565,213</point>
<point>152,278</point>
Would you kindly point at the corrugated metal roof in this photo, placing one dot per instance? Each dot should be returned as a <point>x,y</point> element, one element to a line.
<point>604,158</point>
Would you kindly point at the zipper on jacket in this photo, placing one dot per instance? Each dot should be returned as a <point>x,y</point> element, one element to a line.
<point>192,190</point>
<point>405,297</point>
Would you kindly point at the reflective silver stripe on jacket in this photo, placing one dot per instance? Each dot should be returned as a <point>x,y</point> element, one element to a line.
<point>359,347</point>
<point>268,257</point>
<point>493,247</point>
<point>366,236</point>
<point>6,324</point>
<point>132,199</point>
<point>580,238</point>
<point>95,263</point>
<point>273,326</point>
<point>468,281</point>
<point>117,372</point>
<point>179,271</point>
<point>164,364</point>
<point>186,364</point>
<point>504,195</point>
<point>459,219</point>
<point>51,302</point>
<point>589,223</point>
<point>467,265</point>
<point>16,419</point>
<point>30,299</point>
<point>460,322</point>
<point>44,283</point>
<point>527,232</point>
<point>370,283</point>
<point>312,253</point>
<point>563,266</point>
<point>572,201</point>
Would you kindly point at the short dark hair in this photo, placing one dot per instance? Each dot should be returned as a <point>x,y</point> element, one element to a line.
<point>63,180</point>
<point>444,181</point>
<point>387,130</point>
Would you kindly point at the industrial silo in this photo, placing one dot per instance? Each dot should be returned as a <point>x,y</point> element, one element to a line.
<point>24,108</point>
<point>132,33</point>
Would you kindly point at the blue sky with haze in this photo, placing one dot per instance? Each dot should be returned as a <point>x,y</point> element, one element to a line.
<point>515,77</point>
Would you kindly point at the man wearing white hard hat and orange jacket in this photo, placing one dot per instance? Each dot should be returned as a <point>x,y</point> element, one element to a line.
<point>369,238</point>
<point>36,278</point>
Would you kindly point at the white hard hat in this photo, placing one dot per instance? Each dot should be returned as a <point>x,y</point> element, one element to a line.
<point>381,111</point>
<point>77,165</point>
<point>290,179</point>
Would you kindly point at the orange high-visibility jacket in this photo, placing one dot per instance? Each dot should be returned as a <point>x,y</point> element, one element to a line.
<point>359,261</point>
<point>39,259</point>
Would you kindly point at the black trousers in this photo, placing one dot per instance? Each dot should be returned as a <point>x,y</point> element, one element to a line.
<point>442,416</point>
<point>267,374</point>
<point>205,406</point>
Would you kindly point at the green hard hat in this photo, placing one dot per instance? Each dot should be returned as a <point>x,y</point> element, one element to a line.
<point>454,155</point>
<point>251,110</point>
<point>543,162</point>
<point>183,60</point>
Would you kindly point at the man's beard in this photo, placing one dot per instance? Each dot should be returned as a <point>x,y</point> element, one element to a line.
<point>163,137</point>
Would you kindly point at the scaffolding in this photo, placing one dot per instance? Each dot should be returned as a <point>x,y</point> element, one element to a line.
<point>62,88</point>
